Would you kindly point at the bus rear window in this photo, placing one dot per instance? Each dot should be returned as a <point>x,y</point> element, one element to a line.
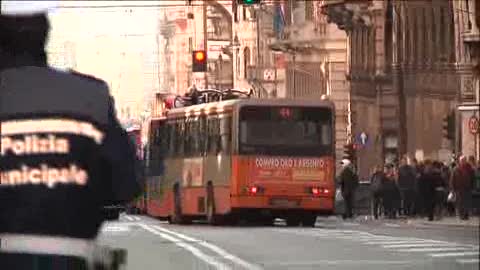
<point>286,130</point>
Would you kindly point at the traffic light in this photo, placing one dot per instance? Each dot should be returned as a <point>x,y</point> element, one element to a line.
<point>349,152</point>
<point>199,61</point>
<point>248,2</point>
<point>449,127</point>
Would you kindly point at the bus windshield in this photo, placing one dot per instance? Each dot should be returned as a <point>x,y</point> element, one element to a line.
<point>292,131</point>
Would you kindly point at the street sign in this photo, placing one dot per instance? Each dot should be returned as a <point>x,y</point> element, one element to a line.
<point>269,75</point>
<point>362,139</point>
<point>473,125</point>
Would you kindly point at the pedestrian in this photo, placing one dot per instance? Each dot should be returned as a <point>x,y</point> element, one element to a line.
<point>391,193</point>
<point>427,188</point>
<point>349,182</point>
<point>461,183</point>
<point>406,185</point>
<point>376,183</point>
<point>419,199</point>
<point>440,190</point>
<point>78,158</point>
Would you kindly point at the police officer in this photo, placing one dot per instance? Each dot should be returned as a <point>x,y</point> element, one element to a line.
<point>63,152</point>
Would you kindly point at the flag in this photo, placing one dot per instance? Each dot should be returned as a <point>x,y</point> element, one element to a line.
<point>279,20</point>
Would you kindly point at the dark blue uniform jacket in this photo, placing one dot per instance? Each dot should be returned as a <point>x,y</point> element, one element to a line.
<point>63,153</point>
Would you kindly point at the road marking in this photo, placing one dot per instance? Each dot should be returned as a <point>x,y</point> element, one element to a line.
<point>195,251</point>
<point>468,261</point>
<point>392,225</point>
<point>395,242</point>
<point>434,249</point>
<point>350,224</point>
<point>418,245</point>
<point>454,254</point>
<point>335,262</point>
<point>129,218</point>
<point>115,228</point>
<point>212,247</point>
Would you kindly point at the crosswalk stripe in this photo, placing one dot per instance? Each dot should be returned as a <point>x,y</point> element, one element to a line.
<point>434,249</point>
<point>418,245</point>
<point>468,261</point>
<point>398,242</point>
<point>454,254</point>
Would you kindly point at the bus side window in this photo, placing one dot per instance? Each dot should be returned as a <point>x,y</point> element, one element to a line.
<point>195,137</point>
<point>180,134</point>
<point>225,134</point>
<point>173,139</point>
<point>186,138</point>
<point>213,135</point>
<point>203,135</point>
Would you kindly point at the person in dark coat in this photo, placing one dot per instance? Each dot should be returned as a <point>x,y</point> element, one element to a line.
<point>406,185</point>
<point>391,193</point>
<point>348,181</point>
<point>432,183</point>
<point>376,184</point>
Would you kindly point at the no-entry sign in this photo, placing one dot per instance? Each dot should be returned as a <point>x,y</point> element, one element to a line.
<point>473,125</point>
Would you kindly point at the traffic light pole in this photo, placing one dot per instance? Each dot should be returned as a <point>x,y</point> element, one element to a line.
<point>205,37</point>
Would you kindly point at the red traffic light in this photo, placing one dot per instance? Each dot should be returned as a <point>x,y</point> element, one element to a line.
<point>200,56</point>
<point>199,61</point>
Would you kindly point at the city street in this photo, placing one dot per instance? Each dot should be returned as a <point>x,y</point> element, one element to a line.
<point>333,244</point>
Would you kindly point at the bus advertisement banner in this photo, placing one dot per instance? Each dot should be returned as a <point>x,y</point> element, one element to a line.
<point>296,169</point>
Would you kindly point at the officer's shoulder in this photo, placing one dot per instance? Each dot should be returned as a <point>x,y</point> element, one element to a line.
<point>87,77</point>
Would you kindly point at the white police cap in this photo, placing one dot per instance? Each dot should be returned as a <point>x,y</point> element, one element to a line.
<point>22,8</point>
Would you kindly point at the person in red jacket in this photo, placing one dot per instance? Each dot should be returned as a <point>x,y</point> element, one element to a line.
<point>461,183</point>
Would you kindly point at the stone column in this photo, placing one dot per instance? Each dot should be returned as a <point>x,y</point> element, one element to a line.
<point>436,26</point>
<point>420,36</point>
<point>403,30</point>
<point>472,14</point>
<point>412,19</point>
<point>447,21</point>
<point>429,54</point>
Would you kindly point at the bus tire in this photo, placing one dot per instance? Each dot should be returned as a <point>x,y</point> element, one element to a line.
<point>309,220</point>
<point>212,217</point>
<point>293,221</point>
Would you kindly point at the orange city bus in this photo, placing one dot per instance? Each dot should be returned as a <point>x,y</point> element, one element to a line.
<point>244,158</point>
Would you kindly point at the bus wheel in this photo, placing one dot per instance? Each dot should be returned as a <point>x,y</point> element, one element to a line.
<point>293,221</point>
<point>267,221</point>
<point>308,220</point>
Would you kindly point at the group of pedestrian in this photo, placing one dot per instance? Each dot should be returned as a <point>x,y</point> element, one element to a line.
<point>426,189</point>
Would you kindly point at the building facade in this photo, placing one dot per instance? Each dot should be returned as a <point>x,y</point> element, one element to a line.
<point>402,75</point>
<point>197,25</point>
<point>467,43</point>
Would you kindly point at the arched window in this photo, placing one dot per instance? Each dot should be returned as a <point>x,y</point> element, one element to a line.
<point>246,61</point>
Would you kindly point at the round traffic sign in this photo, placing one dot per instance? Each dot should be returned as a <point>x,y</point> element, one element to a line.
<point>473,125</point>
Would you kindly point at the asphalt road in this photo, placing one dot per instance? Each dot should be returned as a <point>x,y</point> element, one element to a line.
<point>333,244</point>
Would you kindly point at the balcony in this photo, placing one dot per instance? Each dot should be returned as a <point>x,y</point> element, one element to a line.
<point>347,14</point>
<point>219,36</point>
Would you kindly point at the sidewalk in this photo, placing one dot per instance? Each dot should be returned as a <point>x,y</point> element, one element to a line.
<point>474,221</point>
